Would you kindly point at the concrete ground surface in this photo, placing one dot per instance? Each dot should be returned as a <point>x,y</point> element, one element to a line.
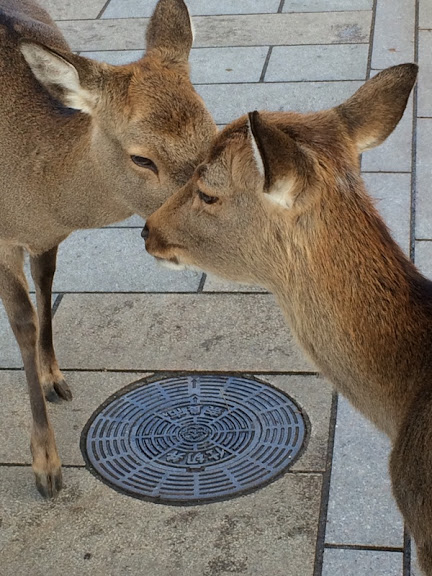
<point>119,318</point>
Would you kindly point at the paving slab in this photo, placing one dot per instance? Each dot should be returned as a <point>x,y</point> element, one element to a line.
<point>228,101</point>
<point>222,332</point>
<point>327,6</point>
<point>323,62</point>
<point>140,9</point>
<point>361,509</point>
<point>395,154</point>
<point>425,14</point>
<point>423,223</point>
<point>393,44</point>
<point>91,529</point>
<point>362,563</point>
<point>214,31</point>
<point>423,257</point>
<point>424,107</point>
<point>114,260</point>
<point>72,9</point>
<point>392,193</point>
<point>207,65</point>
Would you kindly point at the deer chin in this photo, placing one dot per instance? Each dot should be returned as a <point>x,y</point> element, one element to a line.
<point>171,264</point>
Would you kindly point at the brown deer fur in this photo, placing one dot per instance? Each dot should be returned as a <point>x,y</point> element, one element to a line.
<point>69,128</point>
<point>280,202</point>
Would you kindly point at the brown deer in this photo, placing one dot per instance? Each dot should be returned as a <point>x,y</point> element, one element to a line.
<point>82,144</point>
<point>280,203</point>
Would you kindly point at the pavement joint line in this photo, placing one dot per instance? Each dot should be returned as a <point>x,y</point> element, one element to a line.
<point>325,490</point>
<point>281,6</point>
<point>414,142</point>
<point>266,63</point>
<point>231,46</point>
<point>56,304</point>
<point>202,283</point>
<point>386,171</point>
<point>281,82</point>
<point>406,570</point>
<point>365,547</point>
<point>104,7</point>
<point>173,293</point>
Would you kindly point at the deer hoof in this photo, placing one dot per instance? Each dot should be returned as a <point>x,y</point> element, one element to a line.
<point>57,390</point>
<point>49,484</point>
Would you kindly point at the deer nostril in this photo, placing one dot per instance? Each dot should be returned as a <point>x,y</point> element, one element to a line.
<point>145,232</point>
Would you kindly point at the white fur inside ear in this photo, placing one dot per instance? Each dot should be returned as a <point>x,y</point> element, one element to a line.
<point>281,193</point>
<point>51,69</point>
<point>192,25</point>
<point>257,156</point>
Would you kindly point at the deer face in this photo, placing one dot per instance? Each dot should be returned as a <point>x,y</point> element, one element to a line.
<point>149,128</point>
<point>272,181</point>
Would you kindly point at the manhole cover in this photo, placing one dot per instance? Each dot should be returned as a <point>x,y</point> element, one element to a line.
<point>193,438</point>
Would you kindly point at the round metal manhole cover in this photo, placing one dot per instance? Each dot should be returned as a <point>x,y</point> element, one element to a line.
<point>191,439</point>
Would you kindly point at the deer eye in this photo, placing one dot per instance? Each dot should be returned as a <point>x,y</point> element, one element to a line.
<point>144,163</point>
<point>206,198</point>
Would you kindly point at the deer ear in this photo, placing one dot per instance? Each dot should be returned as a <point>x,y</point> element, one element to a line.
<point>374,111</point>
<point>72,79</point>
<point>277,157</point>
<point>170,31</point>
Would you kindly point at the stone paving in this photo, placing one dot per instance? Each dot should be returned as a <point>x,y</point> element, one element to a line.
<point>119,317</point>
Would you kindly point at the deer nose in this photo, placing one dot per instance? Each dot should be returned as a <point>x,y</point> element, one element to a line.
<point>145,232</point>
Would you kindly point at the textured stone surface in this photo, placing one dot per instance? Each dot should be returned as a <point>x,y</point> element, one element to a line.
<point>228,101</point>
<point>242,332</point>
<point>72,9</point>
<point>90,527</point>
<point>394,33</point>
<point>361,508</point>
<point>425,74</point>
<point>423,257</point>
<point>140,9</point>
<point>326,6</point>
<point>423,223</point>
<point>274,29</point>
<point>362,563</point>
<point>306,63</point>
<point>115,260</point>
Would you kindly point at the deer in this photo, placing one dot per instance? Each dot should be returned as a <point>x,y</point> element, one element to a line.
<point>279,202</point>
<point>83,144</point>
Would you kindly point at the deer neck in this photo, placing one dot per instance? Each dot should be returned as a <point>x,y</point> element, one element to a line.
<point>359,308</point>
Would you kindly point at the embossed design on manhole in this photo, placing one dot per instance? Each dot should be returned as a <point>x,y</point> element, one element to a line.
<point>193,438</point>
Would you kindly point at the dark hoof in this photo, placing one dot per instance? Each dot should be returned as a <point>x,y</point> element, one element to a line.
<point>57,391</point>
<point>49,484</point>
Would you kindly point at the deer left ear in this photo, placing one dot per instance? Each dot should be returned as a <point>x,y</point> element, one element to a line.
<point>277,158</point>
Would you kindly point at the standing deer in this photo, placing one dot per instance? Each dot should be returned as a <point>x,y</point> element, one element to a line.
<point>82,145</point>
<point>280,203</point>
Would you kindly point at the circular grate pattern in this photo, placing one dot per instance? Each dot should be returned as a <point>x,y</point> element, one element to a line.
<point>193,438</point>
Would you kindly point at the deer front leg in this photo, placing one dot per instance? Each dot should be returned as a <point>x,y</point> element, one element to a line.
<point>23,320</point>
<point>43,268</point>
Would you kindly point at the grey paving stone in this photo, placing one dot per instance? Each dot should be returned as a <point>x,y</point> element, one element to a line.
<point>323,62</point>
<point>423,257</point>
<point>89,389</point>
<point>362,563</point>
<point>392,193</point>
<point>394,155</point>
<point>216,284</point>
<point>115,260</point>
<point>208,65</point>
<point>423,224</point>
<point>72,9</point>
<point>140,9</point>
<point>327,6</point>
<point>228,101</point>
<point>361,507</point>
<point>393,41</point>
<point>242,332</point>
<point>425,14</point>
<point>424,105</point>
<point>214,31</point>
<point>91,530</point>
<point>314,395</point>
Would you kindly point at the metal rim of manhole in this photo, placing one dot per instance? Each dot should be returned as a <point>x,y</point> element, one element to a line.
<point>194,438</point>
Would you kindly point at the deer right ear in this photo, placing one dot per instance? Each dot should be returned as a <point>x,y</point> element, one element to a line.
<point>277,157</point>
<point>170,31</point>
